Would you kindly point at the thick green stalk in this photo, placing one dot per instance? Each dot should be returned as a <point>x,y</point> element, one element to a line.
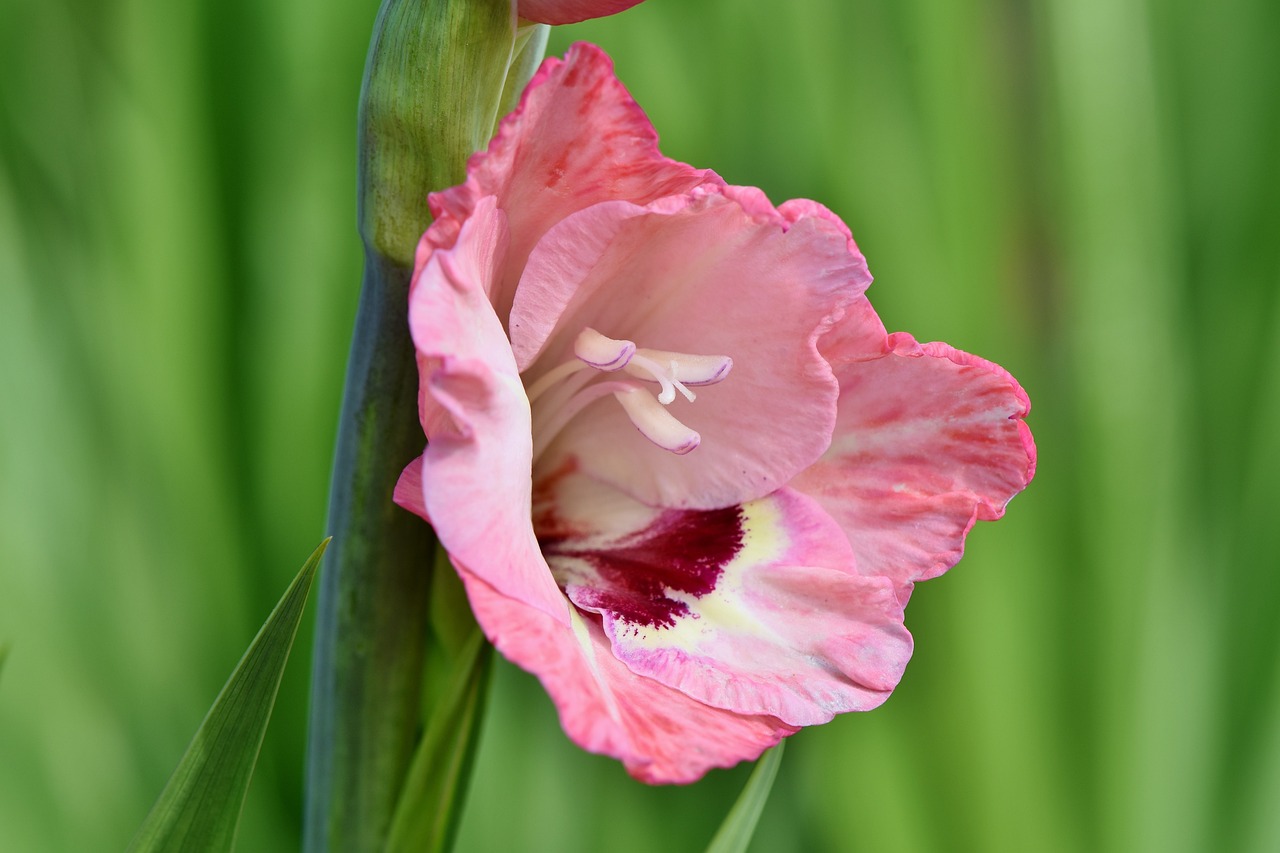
<point>372,608</point>
<point>434,81</point>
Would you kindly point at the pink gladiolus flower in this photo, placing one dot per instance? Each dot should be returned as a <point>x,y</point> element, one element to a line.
<point>686,476</point>
<point>570,11</point>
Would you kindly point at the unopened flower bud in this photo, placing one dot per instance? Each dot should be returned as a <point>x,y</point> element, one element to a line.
<point>433,91</point>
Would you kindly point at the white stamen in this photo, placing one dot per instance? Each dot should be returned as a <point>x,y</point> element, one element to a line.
<point>592,350</point>
<point>656,423</point>
<point>602,353</point>
<point>560,394</point>
<point>640,366</point>
<point>691,369</point>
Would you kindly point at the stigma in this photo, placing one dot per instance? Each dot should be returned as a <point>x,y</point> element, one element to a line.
<point>566,390</point>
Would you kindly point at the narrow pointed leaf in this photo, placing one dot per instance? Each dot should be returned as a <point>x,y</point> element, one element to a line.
<point>739,825</point>
<point>199,808</point>
<point>430,803</point>
<point>4,655</point>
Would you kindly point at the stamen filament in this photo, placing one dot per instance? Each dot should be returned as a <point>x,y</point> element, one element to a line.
<point>690,369</point>
<point>666,379</point>
<point>544,433</point>
<point>553,401</point>
<point>591,349</point>
<point>561,393</point>
<point>553,377</point>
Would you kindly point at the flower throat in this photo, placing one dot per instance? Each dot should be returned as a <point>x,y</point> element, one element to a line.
<point>564,391</point>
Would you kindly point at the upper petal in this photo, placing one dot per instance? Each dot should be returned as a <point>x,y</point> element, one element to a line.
<point>711,272</point>
<point>928,440</point>
<point>475,473</point>
<point>660,734</point>
<point>570,11</point>
<point>577,138</point>
<point>752,608</point>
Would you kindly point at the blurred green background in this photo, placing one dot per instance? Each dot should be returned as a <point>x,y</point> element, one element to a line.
<point>1086,191</point>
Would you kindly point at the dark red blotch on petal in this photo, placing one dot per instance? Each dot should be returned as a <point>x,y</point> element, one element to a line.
<point>684,550</point>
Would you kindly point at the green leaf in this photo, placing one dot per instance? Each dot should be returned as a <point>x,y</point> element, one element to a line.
<point>426,816</point>
<point>4,655</point>
<point>740,824</point>
<point>199,808</point>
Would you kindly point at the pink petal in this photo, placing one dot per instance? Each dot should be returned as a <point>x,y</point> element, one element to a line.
<point>928,440</point>
<point>570,11</point>
<point>475,471</point>
<point>752,608</point>
<point>858,335</point>
<point>661,735</point>
<point>408,491</point>
<point>699,274</point>
<point>542,165</point>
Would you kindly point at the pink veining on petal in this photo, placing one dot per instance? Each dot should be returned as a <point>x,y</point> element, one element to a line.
<point>542,166</point>
<point>928,441</point>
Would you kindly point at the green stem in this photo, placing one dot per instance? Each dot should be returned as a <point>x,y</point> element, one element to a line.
<point>434,83</point>
<point>371,622</point>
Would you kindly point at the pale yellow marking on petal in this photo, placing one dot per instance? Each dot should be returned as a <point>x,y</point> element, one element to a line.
<point>723,609</point>
<point>763,537</point>
<point>582,634</point>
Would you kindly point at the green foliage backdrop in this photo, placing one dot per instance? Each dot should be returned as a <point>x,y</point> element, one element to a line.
<point>1085,191</point>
